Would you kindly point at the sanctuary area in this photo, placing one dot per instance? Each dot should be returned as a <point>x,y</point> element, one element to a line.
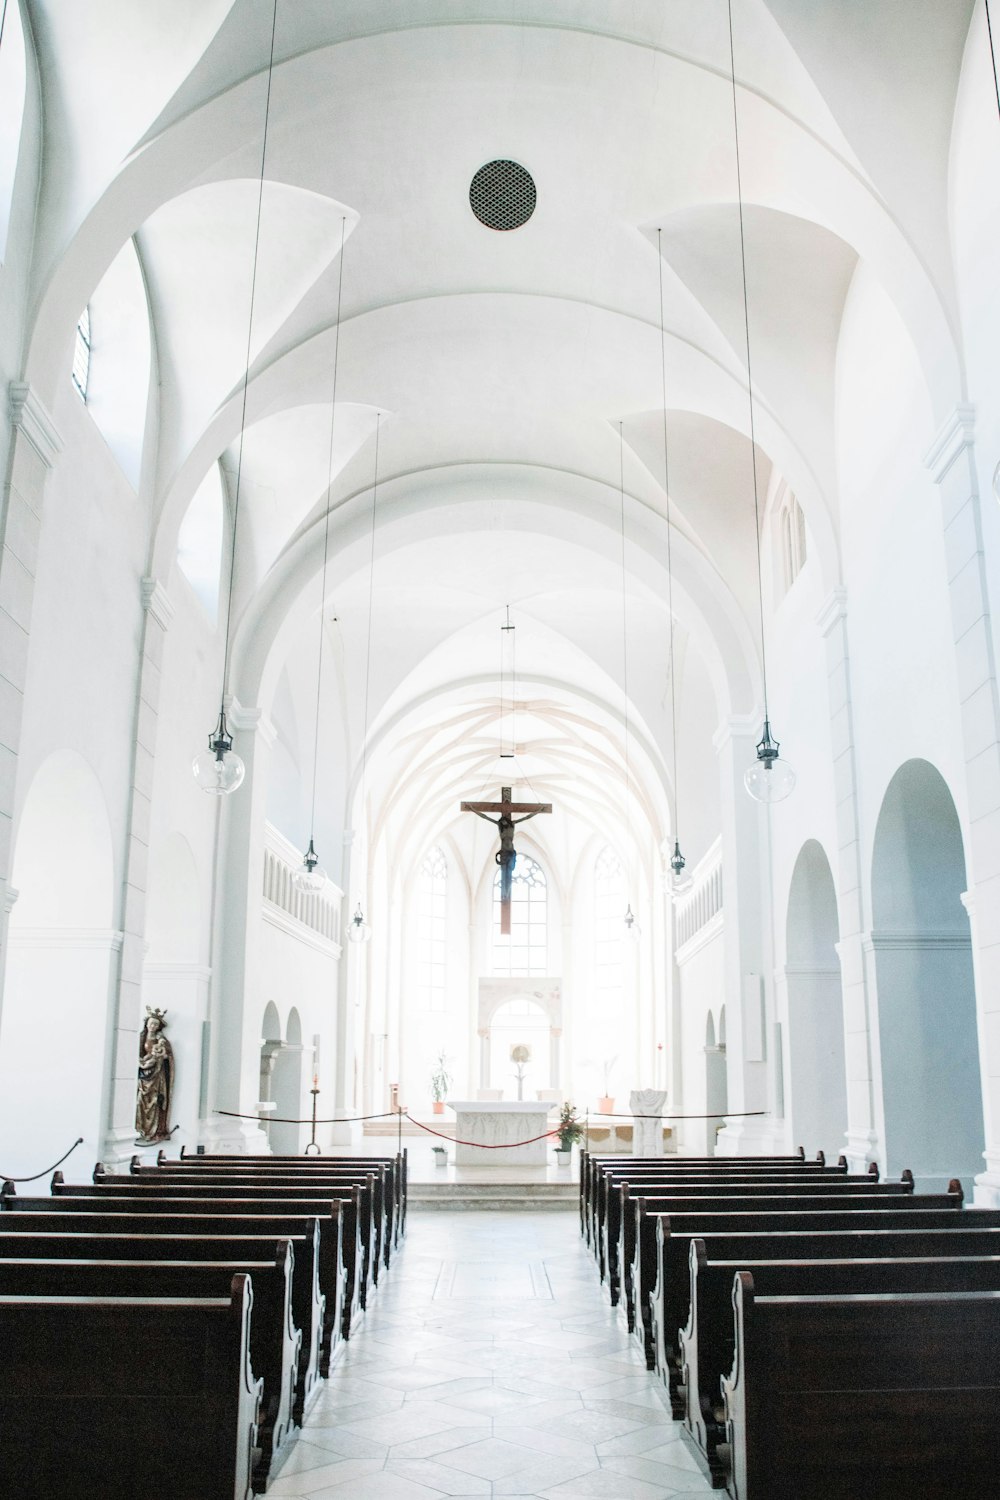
<point>499,622</point>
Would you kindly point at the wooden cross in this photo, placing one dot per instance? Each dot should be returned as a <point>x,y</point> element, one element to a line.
<point>506,856</point>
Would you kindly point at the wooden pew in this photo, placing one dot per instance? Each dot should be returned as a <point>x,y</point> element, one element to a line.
<point>398,1164</point>
<point>707,1343</point>
<point>373,1205</point>
<point>618,1225</point>
<point>670,1305</point>
<point>863,1397</point>
<point>237,1253</point>
<point>220,1217</point>
<point>846,1196</point>
<point>115,1398</point>
<point>275,1342</point>
<point>608,1181</point>
<point>592,1161</point>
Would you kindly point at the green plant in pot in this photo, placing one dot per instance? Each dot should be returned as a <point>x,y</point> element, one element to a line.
<point>440,1083</point>
<point>570,1131</point>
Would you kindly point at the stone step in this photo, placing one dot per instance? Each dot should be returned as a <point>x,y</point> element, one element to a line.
<point>532,1196</point>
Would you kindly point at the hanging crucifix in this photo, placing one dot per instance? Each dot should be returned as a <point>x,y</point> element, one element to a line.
<point>506,856</point>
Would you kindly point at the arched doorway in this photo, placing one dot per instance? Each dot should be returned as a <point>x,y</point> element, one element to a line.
<point>816,1101</point>
<point>716,1081</point>
<point>287,1091</point>
<point>62,953</point>
<point>931,1092</point>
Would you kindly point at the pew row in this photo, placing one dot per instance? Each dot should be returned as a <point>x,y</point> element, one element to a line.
<point>275,1342</point>
<point>708,1342</point>
<point>113,1397</point>
<point>862,1397</point>
<point>235,1251</point>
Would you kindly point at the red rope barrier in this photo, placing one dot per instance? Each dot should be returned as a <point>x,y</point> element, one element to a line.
<point>231,1114</point>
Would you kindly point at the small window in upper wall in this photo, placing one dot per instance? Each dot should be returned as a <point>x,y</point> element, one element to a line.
<point>81,356</point>
<point>791,537</point>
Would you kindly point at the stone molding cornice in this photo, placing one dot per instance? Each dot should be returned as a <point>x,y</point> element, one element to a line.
<point>832,610</point>
<point>278,917</point>
<point>29,416</point>
<point>968,900</point>
<point>943,938</point>
<point>76,938</point>
<point>737,727</point>
<point>10,896</point>
<point>808,971</point>
<point>957,433</point>
<point>157,602</point>
<point>251,720</point>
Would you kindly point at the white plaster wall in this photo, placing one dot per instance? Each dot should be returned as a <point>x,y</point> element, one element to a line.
<point>294,972</point>
<point>702,989</point>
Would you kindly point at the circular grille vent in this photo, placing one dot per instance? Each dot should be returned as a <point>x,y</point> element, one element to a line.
<point>502,195</point>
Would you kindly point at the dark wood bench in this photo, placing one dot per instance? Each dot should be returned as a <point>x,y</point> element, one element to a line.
<point>115,1398</point>
<point>608,1182</point>
<point>670,1303</point>
<point>618,1230</point>
<point>592,1161</point>
<point>894,1197</point>
<point>371,1212</point>
<point>250,1215</point>
<point>889,1397</point>
<point>396,1165</point>
<point>237,1253</point>
<point>275,1342</point>
<point>707,1343</point>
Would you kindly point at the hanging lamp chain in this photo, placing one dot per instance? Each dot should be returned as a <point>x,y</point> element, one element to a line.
<point>677,860</point>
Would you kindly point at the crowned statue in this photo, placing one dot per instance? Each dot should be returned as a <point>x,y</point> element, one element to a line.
<point>156,1081</point>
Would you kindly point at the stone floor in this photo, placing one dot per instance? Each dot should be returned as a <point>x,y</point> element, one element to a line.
<point>491,1365</point>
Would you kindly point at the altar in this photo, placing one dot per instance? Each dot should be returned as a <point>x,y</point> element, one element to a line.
<point>495,1123</point>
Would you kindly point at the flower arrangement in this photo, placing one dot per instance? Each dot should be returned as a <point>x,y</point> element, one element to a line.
<point>440,1078</point>
<point>570,1129</point>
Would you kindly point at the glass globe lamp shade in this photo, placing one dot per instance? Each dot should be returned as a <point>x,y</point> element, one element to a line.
<point>310,877</point>
<point>769,778</point>
<point>219,770</point>
<point>359,931</point>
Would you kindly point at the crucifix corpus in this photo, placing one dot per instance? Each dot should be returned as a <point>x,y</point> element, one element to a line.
<point>506,856</point>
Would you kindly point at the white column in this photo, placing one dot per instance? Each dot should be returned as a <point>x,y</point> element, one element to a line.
<point>864,1137</point>
<point>119,1140</point>
<point>951,461</point>
<point>35,444</point>
<point>236,1003</point>
<point>748,1002</point>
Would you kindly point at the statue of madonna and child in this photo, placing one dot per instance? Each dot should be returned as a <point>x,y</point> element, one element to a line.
<point>156,1081</point>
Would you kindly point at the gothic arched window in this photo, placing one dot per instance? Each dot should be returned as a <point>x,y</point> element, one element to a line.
<point>432,916</point>
<point>791,536</point>
<point>609,928</point>
<point>526,950</point>
<point>81,356</point>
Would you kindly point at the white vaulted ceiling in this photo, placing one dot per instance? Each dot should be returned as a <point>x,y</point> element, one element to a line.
<point>502,362</point>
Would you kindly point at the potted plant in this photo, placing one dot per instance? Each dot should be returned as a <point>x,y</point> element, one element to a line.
<point>570,1131</point>
<point>440,1156</point>
<point>606,1104</point>
<point>440,1083</point>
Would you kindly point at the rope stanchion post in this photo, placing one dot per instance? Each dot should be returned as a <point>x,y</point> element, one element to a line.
<point>313,1149</point>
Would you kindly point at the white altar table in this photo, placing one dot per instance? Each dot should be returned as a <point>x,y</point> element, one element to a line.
<point>493,1124</point>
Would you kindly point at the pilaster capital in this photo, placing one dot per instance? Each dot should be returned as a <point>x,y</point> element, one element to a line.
<point>31,418</point>
<point>252,720</point>
<point>968,900</point>
<point>957,433</point>
<point>737,727</point>
<point>10,896</point>
<point>832,610</point>
<point>157,602</point>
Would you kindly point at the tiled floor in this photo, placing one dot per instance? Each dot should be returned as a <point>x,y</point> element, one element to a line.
<point>491,1365</point>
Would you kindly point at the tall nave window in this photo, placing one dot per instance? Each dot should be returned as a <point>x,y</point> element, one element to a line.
<point>526,950</point>
<point>432,915</point>
<point>81,356</point>
<point>792,540</point>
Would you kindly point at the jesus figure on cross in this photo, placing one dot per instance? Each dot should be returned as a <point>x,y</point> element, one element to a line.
<point>506,856</point>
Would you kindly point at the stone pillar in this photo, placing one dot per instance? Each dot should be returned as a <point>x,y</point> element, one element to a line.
<point>860,1032</point>
<point>745,965</point>
<point>235,1041</point>
<point>35,444</point>
<point>951,461</point>
<point>119,1140</point>
<point>346,1030</point>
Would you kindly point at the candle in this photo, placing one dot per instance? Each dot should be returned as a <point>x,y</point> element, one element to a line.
<point>315,1080</point>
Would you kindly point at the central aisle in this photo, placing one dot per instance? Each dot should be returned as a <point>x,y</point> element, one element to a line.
<point>490,1365</point>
